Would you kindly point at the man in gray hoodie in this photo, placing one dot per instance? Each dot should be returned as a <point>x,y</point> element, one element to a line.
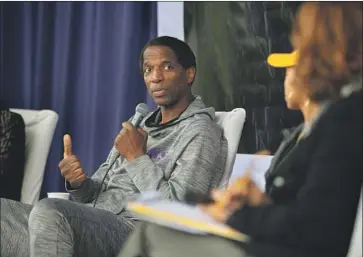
<point>177,148</point>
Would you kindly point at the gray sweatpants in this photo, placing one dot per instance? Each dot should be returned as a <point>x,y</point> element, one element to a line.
<point>55,227</point>
<point>150,240</point>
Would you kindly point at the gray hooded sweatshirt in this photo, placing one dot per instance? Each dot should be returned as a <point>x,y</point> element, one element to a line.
<point>187,153</point>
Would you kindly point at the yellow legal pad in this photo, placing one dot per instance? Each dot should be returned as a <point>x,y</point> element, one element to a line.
<point>168,218</point>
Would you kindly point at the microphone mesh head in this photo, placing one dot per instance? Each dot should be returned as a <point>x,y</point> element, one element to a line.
<point>142,108</point>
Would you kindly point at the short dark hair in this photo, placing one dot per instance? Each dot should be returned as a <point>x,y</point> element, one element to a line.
<point>182,51</point>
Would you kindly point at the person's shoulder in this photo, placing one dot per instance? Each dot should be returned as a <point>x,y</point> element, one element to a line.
<point>11,119</point>
<point>350,103</point>
<point>5,116</point>
<point>342,121</point>
<point>16,118</point>
<point>347,109</point>
<point>203,123</point>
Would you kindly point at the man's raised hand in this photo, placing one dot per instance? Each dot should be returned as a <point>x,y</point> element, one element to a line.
<point>70,167</point>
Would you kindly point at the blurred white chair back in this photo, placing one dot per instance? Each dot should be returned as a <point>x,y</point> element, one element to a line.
<point>39,130</point>
<point>232,123</point>
<point>355,248</point>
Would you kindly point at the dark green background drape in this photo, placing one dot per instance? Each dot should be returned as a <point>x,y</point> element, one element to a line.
<point>232,41</point>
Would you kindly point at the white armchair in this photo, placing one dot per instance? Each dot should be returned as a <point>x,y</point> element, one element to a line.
<point>232,123</point>
<point>355,248</point>
<point>39,130</point>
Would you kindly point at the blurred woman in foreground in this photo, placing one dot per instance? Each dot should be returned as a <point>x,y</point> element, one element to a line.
<point>314,182</point>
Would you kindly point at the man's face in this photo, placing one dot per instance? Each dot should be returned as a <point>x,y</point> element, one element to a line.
<point>166,80</point>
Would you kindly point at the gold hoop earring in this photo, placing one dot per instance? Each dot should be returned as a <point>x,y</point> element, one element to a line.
<point>307,102</point>
<point>289,95</point>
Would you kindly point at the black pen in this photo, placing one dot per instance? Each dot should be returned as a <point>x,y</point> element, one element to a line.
<point>194,198</point>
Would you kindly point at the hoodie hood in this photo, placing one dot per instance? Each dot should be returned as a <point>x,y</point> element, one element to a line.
<point>196,107</point>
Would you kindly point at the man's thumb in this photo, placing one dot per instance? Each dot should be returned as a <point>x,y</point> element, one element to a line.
<point>67,142</point>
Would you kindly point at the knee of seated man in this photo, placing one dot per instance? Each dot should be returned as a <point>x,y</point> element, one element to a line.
<point>47,210</point>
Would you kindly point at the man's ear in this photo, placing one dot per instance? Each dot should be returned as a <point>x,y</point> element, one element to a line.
<point>191,75</point>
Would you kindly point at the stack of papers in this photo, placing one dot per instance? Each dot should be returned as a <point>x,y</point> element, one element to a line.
<point>152,208</point>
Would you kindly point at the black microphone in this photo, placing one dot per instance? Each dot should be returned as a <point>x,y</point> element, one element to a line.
<point>141,111</point>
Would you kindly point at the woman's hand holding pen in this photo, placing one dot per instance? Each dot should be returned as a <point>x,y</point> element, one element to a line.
<point>242,191</point>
